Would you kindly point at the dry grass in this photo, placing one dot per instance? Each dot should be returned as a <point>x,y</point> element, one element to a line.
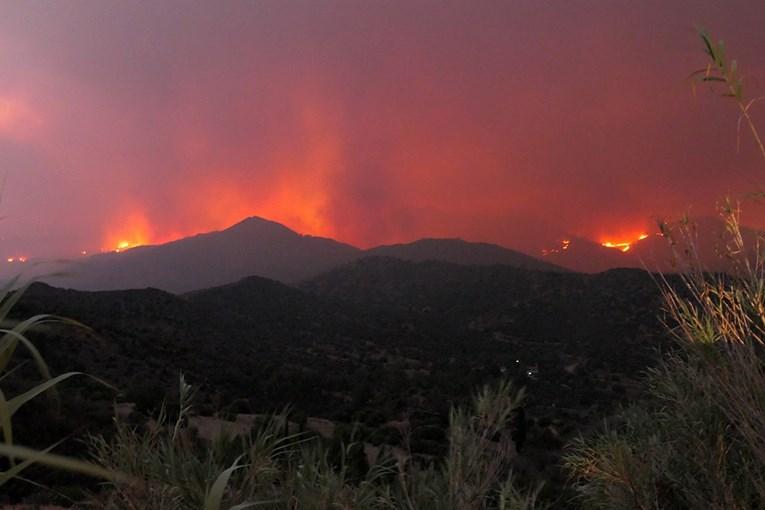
<point>272,468</point>
<point>699,440</point>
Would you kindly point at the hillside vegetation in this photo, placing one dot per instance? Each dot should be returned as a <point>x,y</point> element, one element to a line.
<point>377,342</point>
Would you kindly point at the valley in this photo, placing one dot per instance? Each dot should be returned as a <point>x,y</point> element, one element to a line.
<point>376,341</point>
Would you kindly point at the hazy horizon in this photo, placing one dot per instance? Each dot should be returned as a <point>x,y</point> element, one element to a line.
<point>511,123</point>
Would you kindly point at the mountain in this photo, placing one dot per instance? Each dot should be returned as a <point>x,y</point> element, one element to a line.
<point>254,246</point>
<point>457,251</point>
<point>550,314</point>
<point>373,341</point>
<point>258,247</point>
<point>654,252</point>
<point>585,256</point>
<point>266,307</point>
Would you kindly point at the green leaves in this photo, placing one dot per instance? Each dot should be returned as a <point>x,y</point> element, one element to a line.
<point>724,72</point>
<point>44,457</point>
<point>720,69</point>
<point>10,339</point>
<point>214,498</point>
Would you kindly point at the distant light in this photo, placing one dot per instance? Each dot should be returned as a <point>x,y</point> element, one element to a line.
<point>84,252</point>
<point>11,259</point>
<point>22,259</point>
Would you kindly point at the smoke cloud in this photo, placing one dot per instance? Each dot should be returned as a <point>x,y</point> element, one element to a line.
<point>370,122</point>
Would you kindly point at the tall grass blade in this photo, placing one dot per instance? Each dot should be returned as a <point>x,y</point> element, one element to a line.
<point>57,461</point>
<point>214,497</point>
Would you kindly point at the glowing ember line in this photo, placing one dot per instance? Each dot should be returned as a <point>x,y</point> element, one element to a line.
<point>620,246</point>
<point>125,245</point>
<point>623,246</point>
<point>565,244</point>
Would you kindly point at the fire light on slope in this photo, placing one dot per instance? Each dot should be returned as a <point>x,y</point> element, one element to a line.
<point>123,245</point>
<point>622,245</point>
<point>133,231</point>
<point>564,246</point>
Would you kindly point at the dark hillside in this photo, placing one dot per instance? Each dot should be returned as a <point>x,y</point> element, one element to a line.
<point>376,340</point>
<point>457,251</point>
<point>254,246</point>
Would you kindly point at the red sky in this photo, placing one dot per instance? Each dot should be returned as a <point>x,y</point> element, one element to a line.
<point>370,122</point>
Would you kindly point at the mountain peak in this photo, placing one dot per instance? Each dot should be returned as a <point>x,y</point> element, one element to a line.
<point>258,222</point>
<point>257,246</point>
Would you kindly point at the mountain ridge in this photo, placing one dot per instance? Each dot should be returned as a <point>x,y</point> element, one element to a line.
<point>259,247</point>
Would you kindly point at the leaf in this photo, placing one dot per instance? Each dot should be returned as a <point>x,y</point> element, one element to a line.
<point>31,456</point>
<point>11,337</point>
<point>707,42</point>
<point>214,498</point>
<point>5,419</point>
<point>242,506</point>
<point>15,470</point>
<point>698,72</point>
<point>19,400</point>
<point>11,300</point>
<point>8,287</point>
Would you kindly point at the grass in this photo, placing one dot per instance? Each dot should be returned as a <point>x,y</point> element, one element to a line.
<point>698,441</point>
<point>12,337</point>
<point>170,468</point>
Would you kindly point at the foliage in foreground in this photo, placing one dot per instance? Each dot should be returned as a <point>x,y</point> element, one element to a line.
<point>683,449</point>
<point>272,468</point>
<point>18,458</point>
<point>699,441</point>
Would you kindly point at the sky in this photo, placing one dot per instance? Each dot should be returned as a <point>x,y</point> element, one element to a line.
<point>513,122</point>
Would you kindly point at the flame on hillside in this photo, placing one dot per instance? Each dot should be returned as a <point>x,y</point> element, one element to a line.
<point>565,244</point>
<point>291,188</point>
<point>624,245</point>
<point>133,231</point>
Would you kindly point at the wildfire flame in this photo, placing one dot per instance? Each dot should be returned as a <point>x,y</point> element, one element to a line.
<point>123,245</point>
<point>134,230</point>
<point>624,246</point>
<point>564,245</point>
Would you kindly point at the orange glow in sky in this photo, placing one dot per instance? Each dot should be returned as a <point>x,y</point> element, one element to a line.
<point>353,121</point>
<point>134,230</point>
